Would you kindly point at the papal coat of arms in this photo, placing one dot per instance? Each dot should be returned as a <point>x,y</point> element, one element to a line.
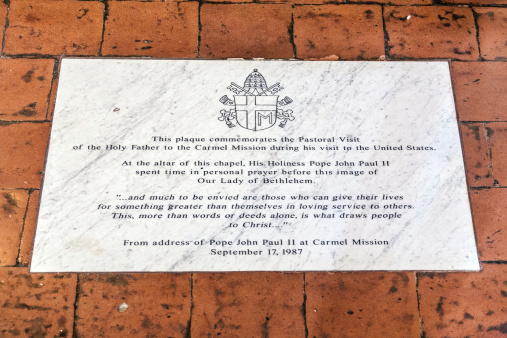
<point>255,104</point>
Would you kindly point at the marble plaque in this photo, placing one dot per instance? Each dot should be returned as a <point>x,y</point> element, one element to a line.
<point>185,165</point>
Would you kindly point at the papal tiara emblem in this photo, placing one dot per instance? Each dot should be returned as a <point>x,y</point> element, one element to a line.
<point>255,104</point>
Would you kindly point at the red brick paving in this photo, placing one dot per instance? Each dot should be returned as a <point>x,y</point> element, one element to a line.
<point>13,206</point>
<point>481,93</point>
<point>395,2</point>
<point>54,27</point>
<point>497,133</point>
<point>464,304</point>
<point>25,85</point>
<point>25,252</point>
<point>3,16</point>
<point>158,305</point>
<point>151,29</point>
<point>248,304</point>
<point>431,32</point>
<point>477,155</point>
<point>253,304</point>
<point>246,30</point>
<point>52,97</point>
<point>492,24</point>
<point>352,31</point>
<point>36,305</point>
<point>476,2</point>
<point>24,146</point>
<point>490,217</point>
<point>361,304</point>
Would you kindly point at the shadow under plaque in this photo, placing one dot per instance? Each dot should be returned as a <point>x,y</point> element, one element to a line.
<point>186,165</point>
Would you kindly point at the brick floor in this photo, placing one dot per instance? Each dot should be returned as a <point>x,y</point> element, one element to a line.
<point>476,2</point>
<point>352,31</point>
<point>395,2</point>
<point>481,94</point>
<point>25,85</point>
<point>157,305</point>
<point>473,33</point>
<point>464,304</point>
<point>361,304</point>
<point>24,145</point>
<point>12,216</point>
<point>248,305</point>
<point>490,217</point>
<point>151,29</point>
<point>497,133</point>
<point>247,30</point>
<point>54,27</point>
<point>36,305</point>
<point>3,16</point>
<point>492,24</point>
<point>25,252</point>
<point>431,32</point>
<point>477,155</point>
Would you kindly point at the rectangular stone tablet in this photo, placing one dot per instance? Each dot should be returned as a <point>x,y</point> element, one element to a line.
<point>186,165</point>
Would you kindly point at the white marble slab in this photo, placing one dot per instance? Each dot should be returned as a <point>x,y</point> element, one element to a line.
<point>365,174</point>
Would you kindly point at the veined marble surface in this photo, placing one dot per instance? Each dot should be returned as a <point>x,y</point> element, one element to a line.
<point>365,174</point>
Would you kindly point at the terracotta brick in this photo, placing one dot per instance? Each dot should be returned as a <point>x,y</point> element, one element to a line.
<point>152,29</point>
<point>25,86</point>
<point>12,214</point>
<point>348,31</point>
<point>246,31</point>
<point>361,304</point>
<point>490,217</point>
<point>25,252</point>
<point>147,0</point>
<point>54,27</point>
<point>3,16</point>
<point>476,2</point>
<point>158,305</point>
<point>259,1</point>
<point>431,32</point>
<point>22,150</point>
<point>258,304</point>
<point>466,304</point>
<point>395,2</point>
<point>477,160</point>
<point>481,93</point>
<point>52,98</point>
<point>36,305</point>
<point>492,23</point>
<point>497,133</point>
<point>300,2</point>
